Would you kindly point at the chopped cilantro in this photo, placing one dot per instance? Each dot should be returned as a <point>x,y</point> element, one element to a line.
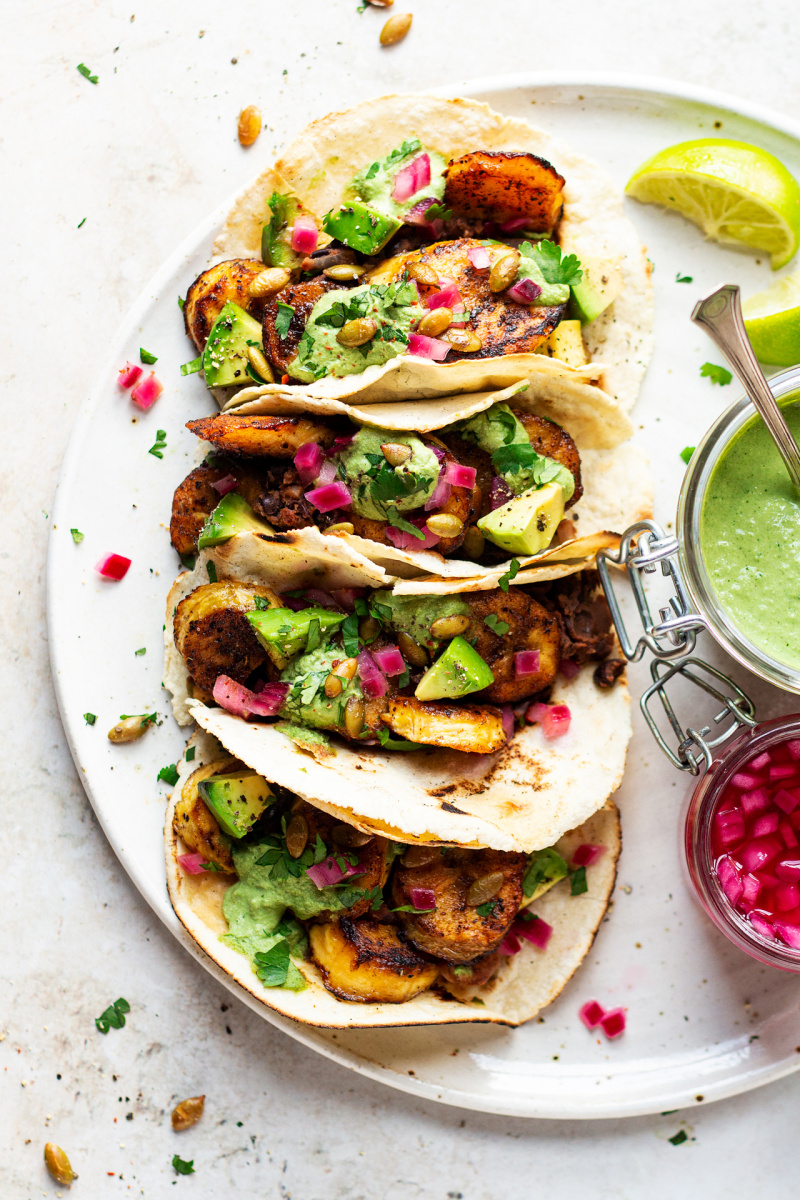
<point>181,303</point>
<point>350,639</point>
<point>283,319</point>
<point>140,652</point>
<point>275,968</point>
<point>545,866</point>
<point>189,368</point>
<point>212,572</point>
<point>409,908</point>
<point>547,256</point>
<point>190,753</point>
<point>578,884</point>
<point>462,972</point>
<point>169,774</point>
<point>505,580</point>
<point>181,1166</point>
<point>683,278</point>
<point>496,625</point>
<point>394,518</point>
<point>390,743</point>
<point>716,374</point>
<point>146,357</point>
<point>262,603</point>
<point>486,910</point>
<point>80,223</point>
<point>159,444</point>
<point>77,536</point>
<point>313,637</point>
<point>147,718</point>
<point>679,1138</point>
<point>210,866</point>
<point>113,1017</point>
<point>90,718</point>
<point>686,453</point>
<point>86,73</point>
<point>188,561</point>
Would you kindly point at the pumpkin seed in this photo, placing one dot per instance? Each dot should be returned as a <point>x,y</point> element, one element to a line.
<point>296,835</point>
<point>347,668</point>
<point>396,29</point>
<point>464,340</point>
<point>504,271</point>
<point>357,332</point>
<point>412,652</point>
<point>354,716</point>
<point>485,888</point>
<point>333,686</point>
<point>435,322</point>
<point>341,527</point>
<point>420,856</point>
<point>260,365</point>
<point>249,124</point>
<point>368,629</point>
<point>187,1113</point>
<point>396,453</point>
<point>474,542</point>
<point>344,271</point>
<point>349,837</point>
<point>58,1164</point>
<point>449,627</point>
<point>268,282</point>
<point>129,729</point>
<point>423,273</point>
<point>445,525</point>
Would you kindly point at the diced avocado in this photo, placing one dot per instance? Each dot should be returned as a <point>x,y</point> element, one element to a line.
<point>284,633</point>
<point>360,227</point>
<point>527,523</point>
<point>237,801</point>
<point>276,235</point>
<point>457,672</point>
<point>545,869</point>
<point>231,516</point>
<point>566,343</point>
<point>225,360</point>
<point>600,285</point>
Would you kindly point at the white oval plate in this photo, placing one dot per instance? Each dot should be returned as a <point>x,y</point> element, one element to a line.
<point>703,1020</point>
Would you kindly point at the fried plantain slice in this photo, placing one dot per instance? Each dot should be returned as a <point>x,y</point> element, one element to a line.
<point>501,186</point>
<point>275,437</point>
<point>552,441</point>
<point>477,729</point>
<point>195,824</point>
<point>213,635</point>
<point>367,961</point>
<point>530,627</point>
<point>194,499</point>
<point>213,289</point>
<point>301,297</point>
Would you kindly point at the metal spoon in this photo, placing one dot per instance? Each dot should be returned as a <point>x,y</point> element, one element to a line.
<point>720,314</point>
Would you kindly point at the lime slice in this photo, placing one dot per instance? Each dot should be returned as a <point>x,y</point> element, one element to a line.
<point>738,194</point>
<point>772,319</point>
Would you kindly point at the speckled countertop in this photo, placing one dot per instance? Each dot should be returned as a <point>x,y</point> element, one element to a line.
<point>143,156</point>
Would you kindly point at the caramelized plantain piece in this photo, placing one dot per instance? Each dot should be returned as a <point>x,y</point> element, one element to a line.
<point>531,627</point>
<point>476,729</point>
<point>500,186</point>
<point>276,437</point>
<point>503,326</point>
<point>302,297</point>
<point>213,635</point>
<point>364,960</point>
<point>211,291</point>
<point>552,441</point>
<point>193,501</point>
<point>194,822</point>
<point>455,930</point>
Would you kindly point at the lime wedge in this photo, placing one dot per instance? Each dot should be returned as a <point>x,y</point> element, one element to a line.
<point>772,320</point>
<point>738,194</point>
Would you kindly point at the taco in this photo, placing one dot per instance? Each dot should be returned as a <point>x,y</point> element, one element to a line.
<point>338,928</point>
<point>494,717</point>
<point>480,482</point>
<point>413,247</point>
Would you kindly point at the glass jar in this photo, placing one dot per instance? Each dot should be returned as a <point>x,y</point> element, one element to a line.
<point>696,578</point>
<point>697,841</point>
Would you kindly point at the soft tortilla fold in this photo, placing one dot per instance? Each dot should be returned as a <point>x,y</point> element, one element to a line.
<point>524,984</point>
<point>322,160</point>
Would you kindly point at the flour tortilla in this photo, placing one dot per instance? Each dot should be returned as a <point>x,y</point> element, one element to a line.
<point>525,983</point>
<point>325,156</point>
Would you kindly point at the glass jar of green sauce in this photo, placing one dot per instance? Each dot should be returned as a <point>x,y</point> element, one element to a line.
<point>738,530</point>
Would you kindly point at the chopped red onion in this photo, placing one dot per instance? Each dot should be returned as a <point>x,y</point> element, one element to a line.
<point>789,933</point>
<point>129,374</point>
<point>587,854</point>
<point>339,443</point>
<point>416,215</point>
<point>460,317</point>
<point>440,454</point>
<point>761,761</point>
<point>744,781</point>
<point>147,392</point>
<point>759,853</point>
<point>305,235</point>
<point>346,597</point>
<point>373,680</point>
<point>781,772</point>
<point>591,1013</point>
<point>761,926</point>
<point>755,801</point>
<point>327,473</point>
<point>788,869</point>
<point>730,827</point>
<point>612,1023</point>
<point>227,484</point>
<point>448,297</point>
<point>318,597</point>
<point>730,878</point>
<point>500,493</point>
<point>526,662</point>
<point>479,258</point>
<point>308,461</point>
<point>329,496</point>
<point>412,178</point>
<point>793,746</point>
<point>537,931</point>
<point>237,699</point>
<point>509,945</point>
<point>389,660</point>
<point>428,347</point>
<point>514,224</point>
<point>766,823</point>
<point>328,872</point>
<point>788,835</point>
<point>440,494</point>
<point>524,291</point>
<point>190,863</point>
<point>509,724</point>
<point>784,897</point>
<point>460,476</point>
<point>422,898</point>
<point>750,889</point>
<point>113,566</point>
<point>569,668</point>
<point>554,718</point>
<point>784,799</point>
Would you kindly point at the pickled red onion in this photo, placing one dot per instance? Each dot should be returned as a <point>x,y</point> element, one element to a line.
<point>612,1023</point>
<point>328,872</point>
<point>227,484</point>
<point>422,898</point>
<point>587,854</point>
<point>524,291</point>
<point>190,863</point>
<point>308,460</point>
<point>428,347</point>
<point>569,668</point>
<point>147,392</point>
<point>373,680</point>
<point>448,297</point>
<point>591,1013</point>
<point>538,932</point>
<point>500,493</point>
<point>113,566</point>
<point>329,496</point>
<point>526,662</point>
<point>412,178</point>
<point>460,476</point>
<point>305,235</point>
<point>389,660</point>
<point>129,374</point>
<point>479,258</point>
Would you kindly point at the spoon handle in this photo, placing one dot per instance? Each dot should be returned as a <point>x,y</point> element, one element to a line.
<point>720,314</point>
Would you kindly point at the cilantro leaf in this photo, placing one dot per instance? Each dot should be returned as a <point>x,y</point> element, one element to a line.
<point>90,718</point>
<point>686,453</point>
<point>114,1016</point>
<point>77,536</point>
<point>181,303</point>
<point>146,357</point>
<point>545,866</point>
<point>486,910</point>
<point>190,753</point>
<point>679,1138</point>
<point>716,374</point>
<point>273,967</point>
<point>189,368</point>
<point>394,518</point>
<point>159,444</point>
<point>350,639</point>
<point>313,637</point>
<point>138,653</point>
<point>505,580</point>
<point>86,73</point>
<point>578,884</point>
<point>283,319</point>
<point>169,774</point>
<point>182,1167</point>
<point>554,268</point>
<point>497,626</point>
<point>683,278</point>
<point>212,572</point>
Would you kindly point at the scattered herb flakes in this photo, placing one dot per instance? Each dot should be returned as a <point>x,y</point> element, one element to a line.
<point>159,444</point>
<point>486,910</point>
<point>679,1138</point>
<point>113,1017</point>
<point>212,572</point>
<point>497,626</point>
<point>138,653</point>
<point>189,368</point>
<point>86,73</point>
<point>683,278</point>
<point>77,536</point>
<point>146,357</point>
<point>90,718</point>
<point>211,866</point>
<point>505,580</point>
<point>81,223</point>
<point>283,319</point>
<point>578,884</point>
<point>181,303</point>
<point>716,374</point>
<point>190,753</point>
<point>188,561</point>
<point>147,718</point>
<point>686,453</point>
<point>169,774</point>
<point>181,1166</point>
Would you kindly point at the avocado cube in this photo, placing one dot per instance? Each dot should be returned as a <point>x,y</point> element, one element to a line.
<point>285,634</point>
<point>231,516</point>
<point>566,344</point>
<point>599,287</point>
<point>360,227</point>
<point>526,524</point>
<point>457,672</point>
<point>237,801</point>
<point>225,359</point>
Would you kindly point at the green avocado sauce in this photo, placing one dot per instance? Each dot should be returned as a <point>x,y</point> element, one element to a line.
<point>306,703</point>
<point>414,615</point>
<point>375,183</point>
<point>375,484</point>
<point>750,538</point>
